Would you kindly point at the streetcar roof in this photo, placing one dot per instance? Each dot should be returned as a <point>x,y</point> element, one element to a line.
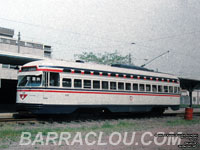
<point>92,66</point>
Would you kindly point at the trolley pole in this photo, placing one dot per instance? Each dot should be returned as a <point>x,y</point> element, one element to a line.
<point>129,58</point>
<point>18,42</point>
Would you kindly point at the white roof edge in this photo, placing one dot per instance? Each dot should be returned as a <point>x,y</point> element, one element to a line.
<point>98,67</point>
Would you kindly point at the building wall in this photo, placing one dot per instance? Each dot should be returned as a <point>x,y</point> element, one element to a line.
<point>7,73</point>
<point>23,50</point>
<point>185,99</point>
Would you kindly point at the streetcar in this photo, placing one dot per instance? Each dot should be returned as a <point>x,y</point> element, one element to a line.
<point>61,87</point>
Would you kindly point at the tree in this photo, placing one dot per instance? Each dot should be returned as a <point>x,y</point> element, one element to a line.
<point>105,58</point>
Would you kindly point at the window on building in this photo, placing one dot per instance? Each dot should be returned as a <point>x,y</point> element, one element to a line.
<point>113,86</point>
<point>29,44</point>
<point>142,87</point>
<point>154,88</point>
<point>104,85</point>
<point>120,86</point>
<point>7,41</point>
<point>77,83</point>
<point>87,84</point>
<point>128,86</point>
<point>13,42</point>
<point>66,82</point>
<point>135,87</point>
<point>170,89</point>
<point>160,88</point>
<point>47,54</point>
<point>166,89</point>
<point>148,87</point>
<point>5,66</point>
<point>96,84</point>
<point>54,79</point>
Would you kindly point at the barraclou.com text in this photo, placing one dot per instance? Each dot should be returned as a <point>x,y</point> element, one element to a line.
<point>100,138</point>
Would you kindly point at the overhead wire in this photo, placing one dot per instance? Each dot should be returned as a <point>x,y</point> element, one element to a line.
<point>103,38</point>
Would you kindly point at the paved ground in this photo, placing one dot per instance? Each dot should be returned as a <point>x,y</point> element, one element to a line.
<point>181,110</point>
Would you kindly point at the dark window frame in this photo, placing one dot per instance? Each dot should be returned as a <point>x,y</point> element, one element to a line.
<point>128,89</point>
<point>140,87</point>
<point>134,86</point>
<point>67,83</point>
<point>166,90</point>
<point>113,85</point>
<point>160,91</point>
<point>54,79</point>
<point>119,84</point>
<point>103,85</point>
<point>86,85</point>
<point>75,86</point>
<point>148,86</point>
<point>99,86</point>
<point>171,89</point>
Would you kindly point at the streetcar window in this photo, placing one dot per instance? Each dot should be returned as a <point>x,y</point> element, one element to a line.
<point>154,88</point>
<point>120,86</point>
<point>166,89</point>
<point>160,88</point>
<point>178,89</point>
<point>148,87</point>
<point>87,84</point>
<point>170,89</point>
<point>128,86</point>
<point>142,87</point>
<point>22,80</point>
<point>175,89</point>
<point>135,87</point>
<point>96,84</point>
<point>29,80</point>
<point>77,83</point>
<point>66,82</point>
<point>54,79</point>
<point>105,85</point>
<point>113,86</point>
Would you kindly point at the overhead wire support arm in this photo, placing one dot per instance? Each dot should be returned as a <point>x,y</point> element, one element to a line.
<point>155,58</point>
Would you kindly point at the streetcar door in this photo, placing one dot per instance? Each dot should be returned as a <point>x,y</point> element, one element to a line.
<point>45,84</point>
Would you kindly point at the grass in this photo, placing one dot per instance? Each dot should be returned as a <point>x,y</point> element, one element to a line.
<point>4,146</point>
<point>12,133</point>
<point>182,122</point>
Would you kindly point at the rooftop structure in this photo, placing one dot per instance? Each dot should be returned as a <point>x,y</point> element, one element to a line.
<point>13,54</point>
<point>6,32</point>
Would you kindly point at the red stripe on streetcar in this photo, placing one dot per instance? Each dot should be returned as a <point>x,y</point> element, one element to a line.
<point>84,92</point>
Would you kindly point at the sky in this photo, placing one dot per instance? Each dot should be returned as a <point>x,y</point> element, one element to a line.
<point>76,26</point>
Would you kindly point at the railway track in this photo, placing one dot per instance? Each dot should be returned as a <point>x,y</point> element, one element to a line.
<point>17,119</point>
<point>83,117</point>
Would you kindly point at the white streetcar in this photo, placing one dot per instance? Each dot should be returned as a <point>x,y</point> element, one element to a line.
<point>61,87</point>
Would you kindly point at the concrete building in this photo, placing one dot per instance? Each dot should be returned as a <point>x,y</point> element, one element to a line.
<point>14,53</point>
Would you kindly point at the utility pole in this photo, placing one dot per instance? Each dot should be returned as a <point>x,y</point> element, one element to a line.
<point>18,41</point>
